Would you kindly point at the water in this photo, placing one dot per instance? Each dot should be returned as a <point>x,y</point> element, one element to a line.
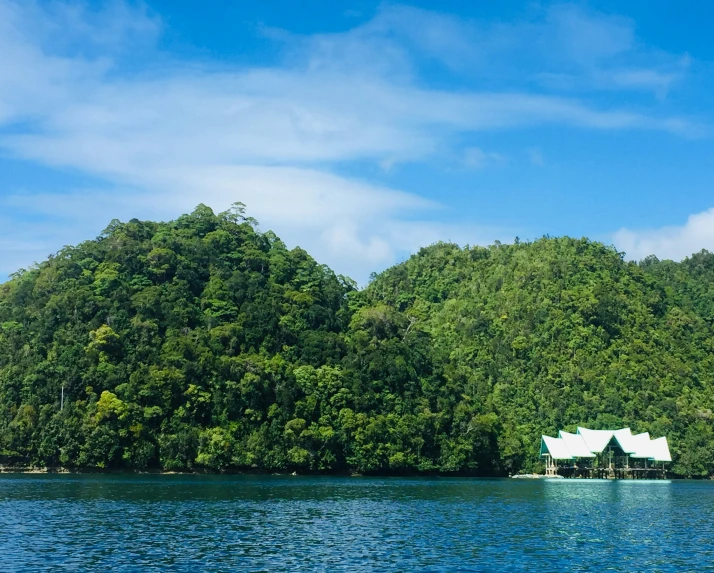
<point>235,523</point>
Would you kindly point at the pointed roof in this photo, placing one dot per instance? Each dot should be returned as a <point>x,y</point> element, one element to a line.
<point>556,448</point>
<point>660,450</point>
<point>588,443</point>
<point>576,445</point>
<point>657,450</point>
<point>626,440</point>
<point>596,440</point>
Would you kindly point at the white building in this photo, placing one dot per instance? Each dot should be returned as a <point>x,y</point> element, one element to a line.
<point>589,452</point>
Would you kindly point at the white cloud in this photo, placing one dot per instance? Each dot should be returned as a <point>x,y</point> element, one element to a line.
<point>477,158</point>
<point>675,242</point>
<point>352,226</point>
<point>171,134</point>
<point>535,156</point>
<point>588,37</point>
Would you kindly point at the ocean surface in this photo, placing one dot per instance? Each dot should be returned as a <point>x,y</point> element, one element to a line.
<point>136,523</point>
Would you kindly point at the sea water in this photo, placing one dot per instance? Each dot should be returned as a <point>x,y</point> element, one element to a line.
<point>189,523</point>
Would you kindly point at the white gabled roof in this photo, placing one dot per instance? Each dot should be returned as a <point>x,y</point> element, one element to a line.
<point>626,440</point>
<point>660,449</point>
<point>597,440</point>
<point>557,448</point>
<point>588,443</point>
<point>576,445</point>
<point>642,444</point>
<point>656,450</point>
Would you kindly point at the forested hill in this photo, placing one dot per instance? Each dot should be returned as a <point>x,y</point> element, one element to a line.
<point>204,343</point>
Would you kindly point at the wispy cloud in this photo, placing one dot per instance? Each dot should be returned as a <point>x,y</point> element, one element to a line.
<point>477,158</point>
<point>673,242</point>
<point>535,156</point>
<point>166,134</point>
<point>343,220</point>
<point>562,45</point>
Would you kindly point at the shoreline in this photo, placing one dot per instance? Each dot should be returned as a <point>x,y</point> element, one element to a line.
<point>34,470</point>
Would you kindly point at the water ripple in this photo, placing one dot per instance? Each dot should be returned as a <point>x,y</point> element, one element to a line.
<point>236,523</point>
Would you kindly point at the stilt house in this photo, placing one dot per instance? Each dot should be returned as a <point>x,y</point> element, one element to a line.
<point>605,454</point>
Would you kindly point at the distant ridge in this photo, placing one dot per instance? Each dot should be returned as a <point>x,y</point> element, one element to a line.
<point>204,344</point>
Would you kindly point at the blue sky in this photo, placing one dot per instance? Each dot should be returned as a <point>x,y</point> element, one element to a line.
<point>360,131</point>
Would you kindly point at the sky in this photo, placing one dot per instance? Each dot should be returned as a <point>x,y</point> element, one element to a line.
<point>360,131</point>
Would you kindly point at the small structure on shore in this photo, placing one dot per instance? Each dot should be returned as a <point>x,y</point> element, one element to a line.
<point>605,454</point>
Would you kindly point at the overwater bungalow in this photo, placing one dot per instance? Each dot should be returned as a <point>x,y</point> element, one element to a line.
<point>605,454</point>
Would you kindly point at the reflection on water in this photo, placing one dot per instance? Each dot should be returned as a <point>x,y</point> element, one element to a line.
<point>239,523</point>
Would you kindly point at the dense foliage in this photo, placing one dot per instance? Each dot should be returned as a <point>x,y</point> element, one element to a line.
<point>204,343</point>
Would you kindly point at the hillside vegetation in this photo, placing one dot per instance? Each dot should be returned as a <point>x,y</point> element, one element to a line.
<point>204,343</point>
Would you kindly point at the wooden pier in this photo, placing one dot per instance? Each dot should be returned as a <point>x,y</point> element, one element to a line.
<point>608,473</point>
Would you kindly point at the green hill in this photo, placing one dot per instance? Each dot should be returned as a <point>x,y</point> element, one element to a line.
<point>203,343</point>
